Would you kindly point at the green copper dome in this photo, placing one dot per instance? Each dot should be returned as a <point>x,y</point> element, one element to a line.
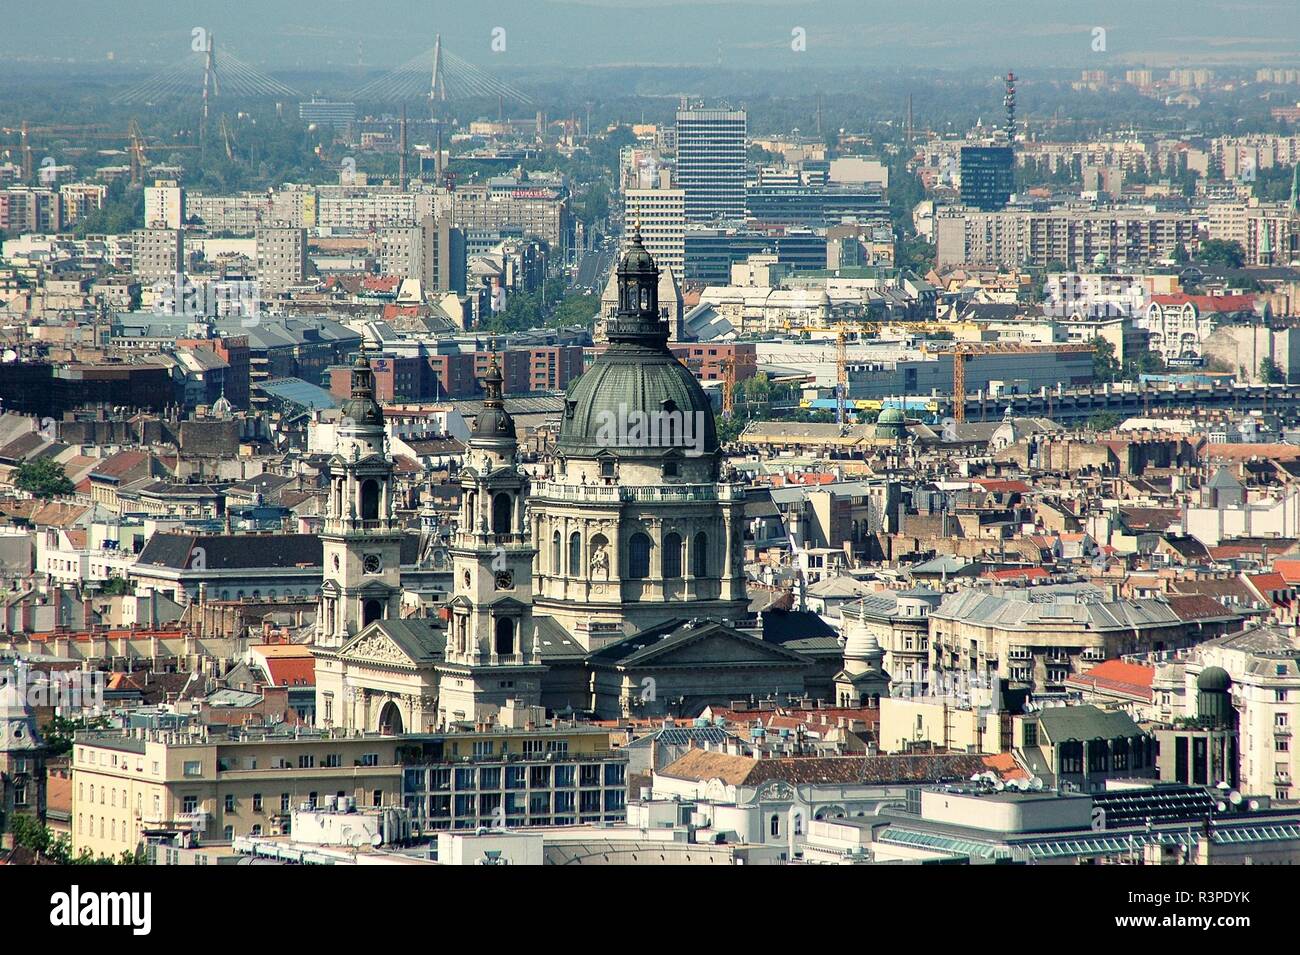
<point>637,381</point>
<point>627,384</point>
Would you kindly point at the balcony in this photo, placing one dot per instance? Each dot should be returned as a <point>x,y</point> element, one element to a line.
<point>615,494</point>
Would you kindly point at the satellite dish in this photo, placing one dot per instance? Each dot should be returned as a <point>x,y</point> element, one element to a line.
<point>10,355</point>
<point>376,840</point>
<point>1036,784</point>
<point>1223,784</point>
<point>1221,806</point>
<point>1234,797</point>
<point>1254,804</point>
<point>977,777</point>
<point>999,786</point>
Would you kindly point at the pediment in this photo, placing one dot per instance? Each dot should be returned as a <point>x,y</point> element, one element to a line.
<point>372,645</point>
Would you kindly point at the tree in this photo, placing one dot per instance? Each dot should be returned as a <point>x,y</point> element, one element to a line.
<point>43,478</point>
<point>1222,252</point>
<point>1104,421</point>
<point>58,732</point>
<point>1180,255</point>
<point>1270,373</point>
<point>1105,367</point>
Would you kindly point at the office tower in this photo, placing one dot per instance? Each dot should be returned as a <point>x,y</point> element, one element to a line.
<point>711,163</point>
<point>987,177</point>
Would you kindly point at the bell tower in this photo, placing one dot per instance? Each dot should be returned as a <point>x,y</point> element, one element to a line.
<point>491,654</point>
<point>361,543</point>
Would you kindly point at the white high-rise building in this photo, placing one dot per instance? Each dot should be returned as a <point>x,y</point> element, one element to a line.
<point>164,205</point>
<point>661,215</point>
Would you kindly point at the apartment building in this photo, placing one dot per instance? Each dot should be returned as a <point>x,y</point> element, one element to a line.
<point>538,212</point>
<point>660,214</point>
<point>79,199</point>
<point>1075,238</point>
<point>129,783</point>
<point>281,259</point>
<point>158,255</point>
<point>125,784</point>
<point>1257,673</point>
<point>164,205</point>
<point>1042,635</point>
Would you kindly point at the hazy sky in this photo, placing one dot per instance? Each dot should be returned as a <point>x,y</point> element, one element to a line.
<point>340,34</point>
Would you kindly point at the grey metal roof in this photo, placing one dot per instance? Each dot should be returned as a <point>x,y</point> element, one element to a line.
<point>1034,608</point>
<point>1084,721</point>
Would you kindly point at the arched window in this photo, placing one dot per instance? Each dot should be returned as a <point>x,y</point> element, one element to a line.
<point>370,500</point>
<point>775,825</point>
<point>502,508</point>
<point>638,557</point>
<point>672,557</point>
<point>575,554</point>
<point>556,567</point>
<point>505,637</point>
<point>700,557</point>
<point>371,611</point>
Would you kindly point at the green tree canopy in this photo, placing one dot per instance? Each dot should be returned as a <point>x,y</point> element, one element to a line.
<point>42,478</point>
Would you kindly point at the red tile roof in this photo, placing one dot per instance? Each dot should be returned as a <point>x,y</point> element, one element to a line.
<point>1018,573</point>
<point>292,671</point>
<point>1130,679</point>
<point>1208,303</point>
<point>1288,569</point>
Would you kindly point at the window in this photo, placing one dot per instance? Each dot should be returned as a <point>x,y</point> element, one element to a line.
<point>555,554</point>
<point>192,768</point>
<point>638,557</point>
<point>505,637</point>
<point>774,826</point>
<point>483,747</point>
<point>377,797</point>
<point>306,761</point>
<point>284,802</point>
<point>575,554</point>
<point>700,559</point>
<point>670,468</point>
<point>502,508</point>
<point>607,468</point>
<point>257,802</point>
<point>189,804</point>
<point>230,803</point>
<point>672,557</point>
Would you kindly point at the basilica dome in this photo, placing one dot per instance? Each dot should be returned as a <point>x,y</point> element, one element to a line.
<point>636,379</point>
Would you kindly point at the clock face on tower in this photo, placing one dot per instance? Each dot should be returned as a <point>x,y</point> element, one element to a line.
<point>372,564</point>
<point>505,580</point>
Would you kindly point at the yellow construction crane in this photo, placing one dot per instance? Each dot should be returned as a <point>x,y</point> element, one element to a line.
<point>728,386</point>
<point>961,351</point>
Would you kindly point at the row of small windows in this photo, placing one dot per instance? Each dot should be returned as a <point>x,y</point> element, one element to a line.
<point>639,550</point>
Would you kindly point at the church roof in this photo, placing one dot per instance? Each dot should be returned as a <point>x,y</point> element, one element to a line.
<point>652,645</point>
